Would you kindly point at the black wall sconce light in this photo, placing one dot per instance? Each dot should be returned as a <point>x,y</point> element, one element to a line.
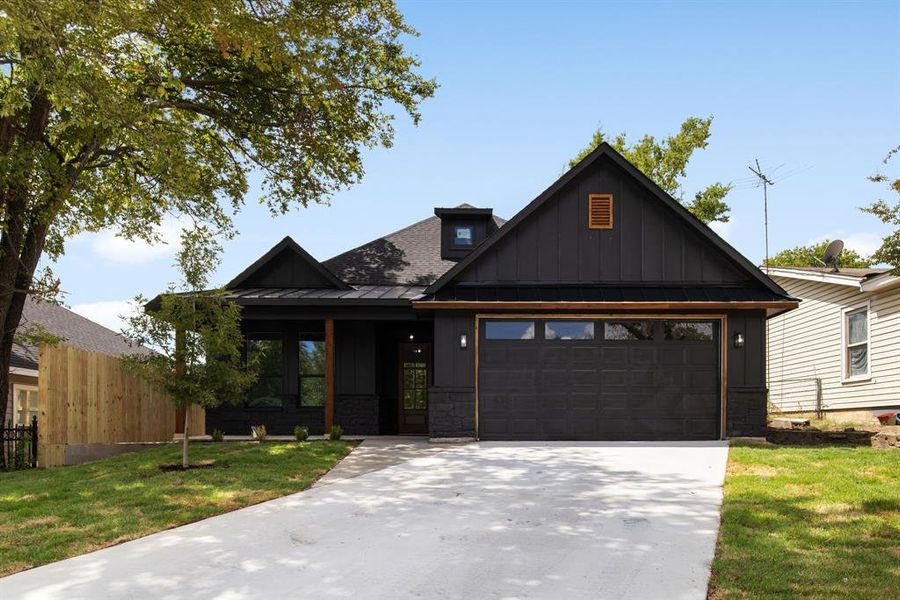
<point>738,340</point>
<point>463,341</point>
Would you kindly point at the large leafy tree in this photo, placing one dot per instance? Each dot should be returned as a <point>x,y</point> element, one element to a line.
<point>665,162</point>
<point>195,334</point>
<point>118,113</point>
<point>889,213</point>
<point>811,256</point>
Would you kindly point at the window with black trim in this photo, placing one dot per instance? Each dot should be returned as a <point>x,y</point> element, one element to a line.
<point>462,235</point>
<point>509,330</point>
<point>312,372</point>
<point>569,330</point>
<point>624,331</point>
<point>265,357</point>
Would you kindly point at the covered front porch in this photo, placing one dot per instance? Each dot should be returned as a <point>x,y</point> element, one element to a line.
<point>370,376</point>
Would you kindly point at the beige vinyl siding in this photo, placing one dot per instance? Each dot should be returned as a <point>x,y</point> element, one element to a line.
<point>806,343</point>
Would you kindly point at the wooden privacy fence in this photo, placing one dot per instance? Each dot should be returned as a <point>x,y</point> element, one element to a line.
<point>88,402</point>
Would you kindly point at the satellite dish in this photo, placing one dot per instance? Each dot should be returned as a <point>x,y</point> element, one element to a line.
<point>833,254</point>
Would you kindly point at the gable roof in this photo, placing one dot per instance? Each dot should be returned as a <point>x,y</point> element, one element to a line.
<point>326,277</point>
<point>75,331</point>
<point>605,150</point>
<point>408,256</point>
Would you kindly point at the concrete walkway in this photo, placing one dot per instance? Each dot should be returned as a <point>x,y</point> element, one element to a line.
<point>487,520</point>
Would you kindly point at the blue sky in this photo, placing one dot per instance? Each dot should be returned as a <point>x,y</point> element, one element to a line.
<point>814,87</point>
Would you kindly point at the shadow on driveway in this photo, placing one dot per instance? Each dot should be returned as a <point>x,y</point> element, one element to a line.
<point>486,520</point>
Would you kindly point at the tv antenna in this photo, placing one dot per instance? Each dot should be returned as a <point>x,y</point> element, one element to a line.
<point>832,255</point>
<point>765,182</point>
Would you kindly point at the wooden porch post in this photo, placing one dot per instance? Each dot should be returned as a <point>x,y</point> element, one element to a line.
<point>329,375</point>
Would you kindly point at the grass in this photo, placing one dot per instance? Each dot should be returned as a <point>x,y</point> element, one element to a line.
<point>818,522</point>
<point>48,515</point>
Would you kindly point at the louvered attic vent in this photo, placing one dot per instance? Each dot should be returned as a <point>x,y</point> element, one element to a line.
<point>600,211</point>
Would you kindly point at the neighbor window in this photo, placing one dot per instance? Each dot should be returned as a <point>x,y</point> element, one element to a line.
<point>462,236</point>
<point>264,356</point>
<point>856,343</point>
<point>509,330</point>
<point>628,330</point>
<point>26,404</point>
<point>692,331</point>
<point>569,330</point>
<point>312,372</point>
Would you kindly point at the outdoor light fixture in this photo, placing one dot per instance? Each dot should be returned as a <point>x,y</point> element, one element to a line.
<point>738,340</point>
<point>411,337</point>
<point>463,341</point>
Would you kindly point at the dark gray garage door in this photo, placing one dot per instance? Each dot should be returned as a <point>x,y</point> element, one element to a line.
<point>598,379</point>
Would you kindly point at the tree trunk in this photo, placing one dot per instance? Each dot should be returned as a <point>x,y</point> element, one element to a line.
<point>187,431</point>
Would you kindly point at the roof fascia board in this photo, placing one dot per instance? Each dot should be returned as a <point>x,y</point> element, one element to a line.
<point>879,283</point>
<point>287,242</point>
<point>832,278</point>
<point>605,149</point>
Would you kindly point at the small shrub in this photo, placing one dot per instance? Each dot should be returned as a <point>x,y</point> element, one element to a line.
<point>301,432</point>
<point>336,432</point>
<point>218,435</point>
<point>258,433</point>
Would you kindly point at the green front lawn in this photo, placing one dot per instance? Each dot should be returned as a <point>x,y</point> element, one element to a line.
<point>48,515</point>
<point>809,523</point>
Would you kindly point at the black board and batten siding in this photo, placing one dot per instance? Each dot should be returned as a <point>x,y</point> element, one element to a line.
<point>649,246</point>
<point>648,243</point>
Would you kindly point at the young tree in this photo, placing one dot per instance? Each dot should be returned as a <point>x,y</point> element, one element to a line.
<point>889,213</point>
<point>811,256</point>
<point>665,162</point>
<point>114,114</point>
<point>196,335</point>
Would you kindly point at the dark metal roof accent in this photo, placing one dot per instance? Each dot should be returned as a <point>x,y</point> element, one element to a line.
<point>408,256</point>
<point>464,211</point>
<point>286,243</point>
<point>618,293</point>
<point>605,150</point>
<point>72,328</point>
<point>370,295</point>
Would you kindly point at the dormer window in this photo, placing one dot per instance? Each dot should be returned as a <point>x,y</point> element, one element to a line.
<point>462,235</point>
<point>463,228</point>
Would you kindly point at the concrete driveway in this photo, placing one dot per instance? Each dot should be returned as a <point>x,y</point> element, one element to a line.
<point>487,520</point>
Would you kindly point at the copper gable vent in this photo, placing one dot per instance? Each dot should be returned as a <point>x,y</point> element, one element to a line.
<point>600,211</point>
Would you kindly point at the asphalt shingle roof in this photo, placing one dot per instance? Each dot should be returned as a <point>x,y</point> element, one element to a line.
<point>409,256</point>
<point>75,331</point>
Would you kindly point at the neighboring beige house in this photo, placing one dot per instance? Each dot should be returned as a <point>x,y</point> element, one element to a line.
<point>74,330</point>
<point>840,350</point>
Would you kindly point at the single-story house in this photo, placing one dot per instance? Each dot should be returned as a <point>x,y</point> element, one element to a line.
<point>840,351</point>
<point>603,310</point>
<point>73,330</point>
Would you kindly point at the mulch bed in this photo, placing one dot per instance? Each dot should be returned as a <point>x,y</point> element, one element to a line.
<point>816,437</point>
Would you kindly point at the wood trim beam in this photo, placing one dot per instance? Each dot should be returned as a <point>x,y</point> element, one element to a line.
<point>466,305</point>
<point>329,375</point>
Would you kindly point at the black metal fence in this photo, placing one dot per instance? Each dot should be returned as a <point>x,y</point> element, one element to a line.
<point>18,447</point>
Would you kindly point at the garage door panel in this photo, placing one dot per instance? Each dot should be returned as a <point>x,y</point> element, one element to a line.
<point>614,355</point>
<point>702,427</point>
<point>662,388</point>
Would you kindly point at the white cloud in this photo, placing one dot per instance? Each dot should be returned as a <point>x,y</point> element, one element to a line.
<point>108,313</point>
<point>864,242</point>
<point>116,249</point>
